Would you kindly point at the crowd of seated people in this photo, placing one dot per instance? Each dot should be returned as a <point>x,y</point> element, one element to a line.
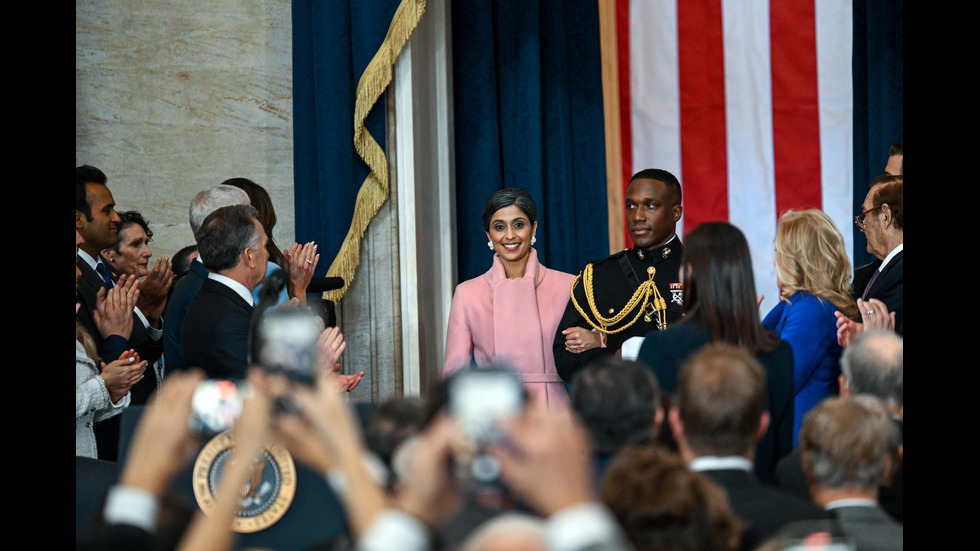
<point>646,455</point>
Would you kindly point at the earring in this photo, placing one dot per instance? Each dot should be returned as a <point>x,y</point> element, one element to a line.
<point>533,240</point>
<point>490,244</point>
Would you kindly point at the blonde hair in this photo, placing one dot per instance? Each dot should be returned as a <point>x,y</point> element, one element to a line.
<point>810,257</point>
<point>82,336</point>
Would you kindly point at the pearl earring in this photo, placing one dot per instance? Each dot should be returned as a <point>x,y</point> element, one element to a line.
<point>490,245</point>
<point>533,240</point>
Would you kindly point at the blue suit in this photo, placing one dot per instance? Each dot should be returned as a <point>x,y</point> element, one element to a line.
<point>173,319</point>
<point>808,324</point>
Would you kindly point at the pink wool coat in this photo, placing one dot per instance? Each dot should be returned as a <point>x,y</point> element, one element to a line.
<point>511,321</point>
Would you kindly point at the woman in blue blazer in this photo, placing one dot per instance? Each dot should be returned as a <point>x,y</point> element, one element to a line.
<point>814,278</point>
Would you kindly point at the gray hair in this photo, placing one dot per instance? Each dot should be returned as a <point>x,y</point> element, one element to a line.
<point>225,233</point>
<point>845,442</point>
<point>210,200</point>
<point>872,364</point>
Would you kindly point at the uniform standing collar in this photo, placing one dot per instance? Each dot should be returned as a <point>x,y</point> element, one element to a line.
<point>662,252</point>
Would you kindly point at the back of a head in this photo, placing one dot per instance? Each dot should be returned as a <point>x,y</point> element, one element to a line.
<point>845,442</point>
<point>617,401</point>
<point>719,286</point>
<point>721,397</point>
<point>663,505</point>
<point>811,257</point>
<point>224,234</point>
<point>392,422</point>
<point>874,364</point>
<point>210,200</point>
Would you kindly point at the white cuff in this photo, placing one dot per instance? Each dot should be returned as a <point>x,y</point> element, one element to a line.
<point>125,505</point>
<point>394,529</point>
<point>580,526</point>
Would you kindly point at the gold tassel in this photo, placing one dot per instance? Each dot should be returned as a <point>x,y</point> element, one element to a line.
<point>374,191</point>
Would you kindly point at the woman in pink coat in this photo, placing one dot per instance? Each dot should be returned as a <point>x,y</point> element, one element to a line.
<point>509,315</point>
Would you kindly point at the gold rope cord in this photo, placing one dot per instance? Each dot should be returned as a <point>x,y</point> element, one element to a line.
<point>374,191</point>
<point>658,305</point>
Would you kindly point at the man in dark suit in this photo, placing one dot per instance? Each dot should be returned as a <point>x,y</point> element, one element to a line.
<point>609,301</point>
<point>872,364</point>
<point>718,418</point>
<point>882,221</point>
<point>203,204</point>
<point>214,337</point>
<point>98,223</point>
<point>844,479</point>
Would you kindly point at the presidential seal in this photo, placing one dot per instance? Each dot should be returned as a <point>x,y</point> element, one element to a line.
<point>265,495</point>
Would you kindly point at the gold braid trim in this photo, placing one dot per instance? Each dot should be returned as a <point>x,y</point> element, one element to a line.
<point>646,308</point>
<point>374,191</point>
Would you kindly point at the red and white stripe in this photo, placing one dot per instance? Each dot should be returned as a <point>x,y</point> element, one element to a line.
<point>749,103</point>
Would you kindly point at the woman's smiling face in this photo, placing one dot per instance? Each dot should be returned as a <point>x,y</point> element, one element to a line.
<point>511,233</point>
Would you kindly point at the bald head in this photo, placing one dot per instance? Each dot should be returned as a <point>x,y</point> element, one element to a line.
<point>873,364</point>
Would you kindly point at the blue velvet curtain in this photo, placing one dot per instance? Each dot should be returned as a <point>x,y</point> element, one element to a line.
<point>878,63</point>
<point>332,44</point>
<point>528,114</point>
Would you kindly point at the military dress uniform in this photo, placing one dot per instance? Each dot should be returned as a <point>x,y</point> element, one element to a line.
<point>612,287</point>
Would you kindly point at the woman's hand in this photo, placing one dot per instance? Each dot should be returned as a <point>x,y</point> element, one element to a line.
<point>301,261</point>
<point>122,374</point>
<point>580,339</point>
<point>154,290</point>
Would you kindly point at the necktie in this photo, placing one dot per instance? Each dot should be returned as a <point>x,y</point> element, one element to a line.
<point>100,267</point>
<point>870,283</point>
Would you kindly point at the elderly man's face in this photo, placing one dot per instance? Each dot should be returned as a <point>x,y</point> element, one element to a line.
<point>873,227</point>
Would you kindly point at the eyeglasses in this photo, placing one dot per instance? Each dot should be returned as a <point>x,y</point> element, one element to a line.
<point>859,219</point>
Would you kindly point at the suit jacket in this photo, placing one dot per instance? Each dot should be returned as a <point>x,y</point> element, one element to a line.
<point>511,321</point>
<point>870,528</point>
<point>173,319</point>
<point>792,479</point>
<point>764,510</point>
<point>887,287</point>
<point>215,333</point>
<point>808,324</point>
<point>615,279</point>
<point>666,351</point>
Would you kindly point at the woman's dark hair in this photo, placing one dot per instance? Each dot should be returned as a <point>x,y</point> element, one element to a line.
<point>129,218</point>
<point>505,198</point>
<point>260,199</point>
<point>663,505</point>
<point>719,287</point>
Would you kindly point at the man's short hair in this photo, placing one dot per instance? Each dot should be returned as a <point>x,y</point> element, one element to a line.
<point>873,364</point>
<point>721,396</point>
<point>617,401</point>
<point>224,234</point>
<point>661,175</point>
<point>86,174</point>
<point>210,200</point>
<point>845,441</point>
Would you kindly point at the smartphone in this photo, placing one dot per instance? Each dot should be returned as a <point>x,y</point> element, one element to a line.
<point>216,405</point>
<point>479,398</point>
<point>286,343</point>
